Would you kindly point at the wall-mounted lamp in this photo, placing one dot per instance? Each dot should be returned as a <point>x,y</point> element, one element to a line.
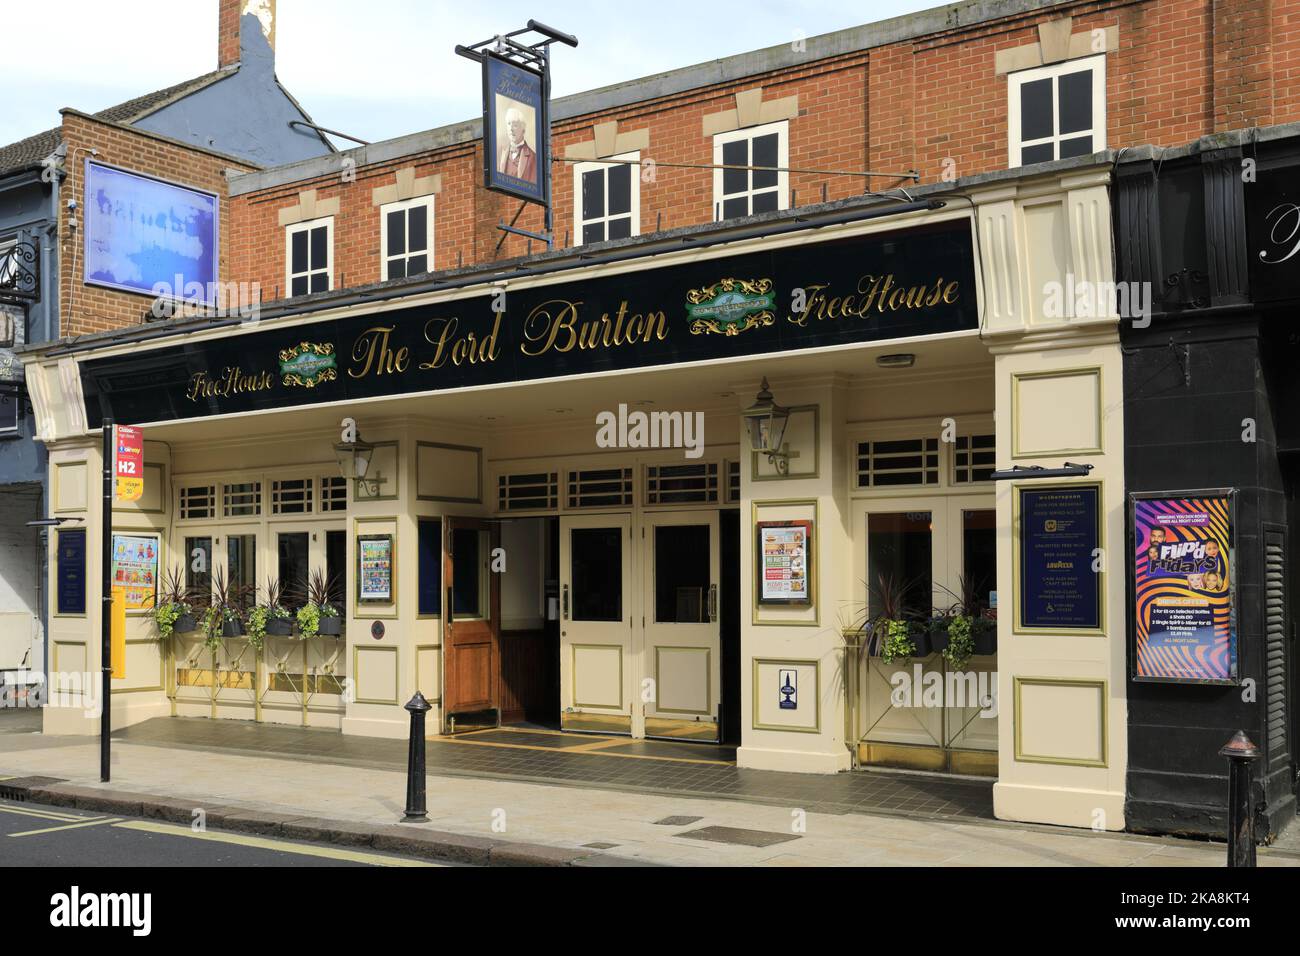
<point>354,462</point>
<point>1020,472</point>
<point>767,421</point>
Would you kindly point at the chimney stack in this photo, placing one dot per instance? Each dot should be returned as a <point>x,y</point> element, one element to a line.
<point>232,45</point>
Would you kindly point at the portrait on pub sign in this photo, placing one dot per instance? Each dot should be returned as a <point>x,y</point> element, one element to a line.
<point>516,131</point>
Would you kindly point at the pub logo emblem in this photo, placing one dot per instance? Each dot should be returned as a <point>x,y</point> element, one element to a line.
<point>308,364</point>
<point>731,306</point>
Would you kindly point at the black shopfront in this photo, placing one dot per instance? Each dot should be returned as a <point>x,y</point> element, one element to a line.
<point>1212,400</point>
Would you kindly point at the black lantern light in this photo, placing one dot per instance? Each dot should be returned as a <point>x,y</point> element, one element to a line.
<point>767,420</point>
<point>354,460</point>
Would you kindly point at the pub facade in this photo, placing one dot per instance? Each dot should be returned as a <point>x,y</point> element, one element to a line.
<point>826,464</point>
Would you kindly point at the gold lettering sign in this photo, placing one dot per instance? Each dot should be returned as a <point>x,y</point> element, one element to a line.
<point>232,381</point>
<point>879,294</point>
<point>557,326</point>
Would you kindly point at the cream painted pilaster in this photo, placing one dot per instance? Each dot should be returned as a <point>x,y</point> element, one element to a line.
<point>804,641</point>
<point>1059,397</point>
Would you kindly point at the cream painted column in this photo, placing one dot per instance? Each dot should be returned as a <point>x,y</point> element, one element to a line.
<point>803,643</point>
<point>1045,245</point>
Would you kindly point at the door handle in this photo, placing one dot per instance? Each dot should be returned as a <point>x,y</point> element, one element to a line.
<point>713,603</point>
<point>565,601</point>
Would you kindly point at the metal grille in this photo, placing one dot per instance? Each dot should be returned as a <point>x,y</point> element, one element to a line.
<point>681,484</point>
<point>908,461</point>
<point>291,497</point>
<point>242,500</point>
<point>1275,641</point>
<point>600,488</point>
<point>334,494</point>
<point>974,458</point>
<point>531,492</point>
<point>199,501</point>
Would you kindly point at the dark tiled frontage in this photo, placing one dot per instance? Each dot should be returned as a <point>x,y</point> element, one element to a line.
<point>586,760</point>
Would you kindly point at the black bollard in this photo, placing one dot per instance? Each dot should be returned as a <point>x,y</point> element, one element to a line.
<point>417,706</point>
<point>1241,752</point>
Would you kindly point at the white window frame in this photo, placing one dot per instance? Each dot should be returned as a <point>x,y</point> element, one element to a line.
<point>635,175</point>
<point>289,233</point>
<point>403,205</point>
<point>782,129</point>
<point>1054,72</point>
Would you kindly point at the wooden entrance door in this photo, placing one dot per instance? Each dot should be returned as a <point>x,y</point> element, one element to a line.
<point>473,606</point>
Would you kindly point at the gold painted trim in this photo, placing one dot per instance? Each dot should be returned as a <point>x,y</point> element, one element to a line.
<point>1066,484</point>
<point>708,679</point>
<point>817,694</point>
<point>573,675</point>
<point>397,676</point>
<point>357,606</point>
<point>1017,377</point>
<point>754,507</point>
<point>430,647</point>
<point>1018,724</point>
<point>478,481</point>
<point>357,498</point>
<point>754,476</point>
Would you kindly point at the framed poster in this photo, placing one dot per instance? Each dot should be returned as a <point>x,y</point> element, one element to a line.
<point>135,569</point>
<point>150,236</point>
<point>783,562</point>
<point>375,568</point>
<point>1057,564</point>
<point>516,131</point>
<point>71,572</point>
<point>1182,579</point>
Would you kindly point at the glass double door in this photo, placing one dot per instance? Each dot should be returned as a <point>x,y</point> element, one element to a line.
<point>639,633</point>
<point>918,559</point>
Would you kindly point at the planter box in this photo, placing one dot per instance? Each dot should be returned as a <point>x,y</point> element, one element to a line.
<point>185,624</point>
<point>986,641</point>
<point>279,626</point>
<point>330,626</point>
<point>232,629</point>
<point>922,642</point>
<point>939,639</point>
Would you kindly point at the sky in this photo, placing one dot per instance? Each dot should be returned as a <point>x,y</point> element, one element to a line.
<point>377,69</point>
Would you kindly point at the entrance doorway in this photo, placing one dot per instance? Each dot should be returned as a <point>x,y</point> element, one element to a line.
<point>929,557</point>
<point>471,635</point>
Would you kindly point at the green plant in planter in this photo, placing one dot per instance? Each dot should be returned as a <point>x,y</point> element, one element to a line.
<point>224,615</point>
<point>255,625</point>
<point>319,615</point>
<point>172,604</point>
<point>277,619</point>
<point>898,646</point>
<point>961,641</point>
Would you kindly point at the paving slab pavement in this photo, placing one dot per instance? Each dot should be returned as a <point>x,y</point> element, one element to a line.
<point>492,821</point>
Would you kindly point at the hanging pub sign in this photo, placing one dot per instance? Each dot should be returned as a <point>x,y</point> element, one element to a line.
<point>1058,560</point>
<point>784,562</point>
<point>1182,583</point>
<point>909,282</point>
<point>516,131</point>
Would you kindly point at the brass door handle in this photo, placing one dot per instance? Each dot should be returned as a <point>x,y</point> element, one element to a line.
<point>565,601</point>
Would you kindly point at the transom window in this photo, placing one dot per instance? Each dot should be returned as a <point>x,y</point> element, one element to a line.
<point>334,493</point>
<point>309,256</point>
<point>406,237</point>
<point>974,458</point>
<point>1057,111</point>
<point>744,191</point>
<point>242,500</point>
<point>600,488</point>
<point>907,461</point>
<point>607,200</point>
<point>291,496</point>
<point>198,501</point>
<point>681,484</point>
<point>525,492</point>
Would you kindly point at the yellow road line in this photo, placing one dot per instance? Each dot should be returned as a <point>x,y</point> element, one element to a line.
<point>45,814</point>
<point>262,843</point>
<point>69,826</point>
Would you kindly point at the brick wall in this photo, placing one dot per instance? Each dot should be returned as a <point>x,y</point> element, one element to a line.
<point>87,308</point>
<point>1184,69</point>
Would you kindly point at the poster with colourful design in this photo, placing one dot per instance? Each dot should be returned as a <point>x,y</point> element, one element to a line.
<point>1183,583</point>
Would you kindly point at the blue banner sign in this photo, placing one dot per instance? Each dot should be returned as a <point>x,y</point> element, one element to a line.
<point>1060,538</point>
